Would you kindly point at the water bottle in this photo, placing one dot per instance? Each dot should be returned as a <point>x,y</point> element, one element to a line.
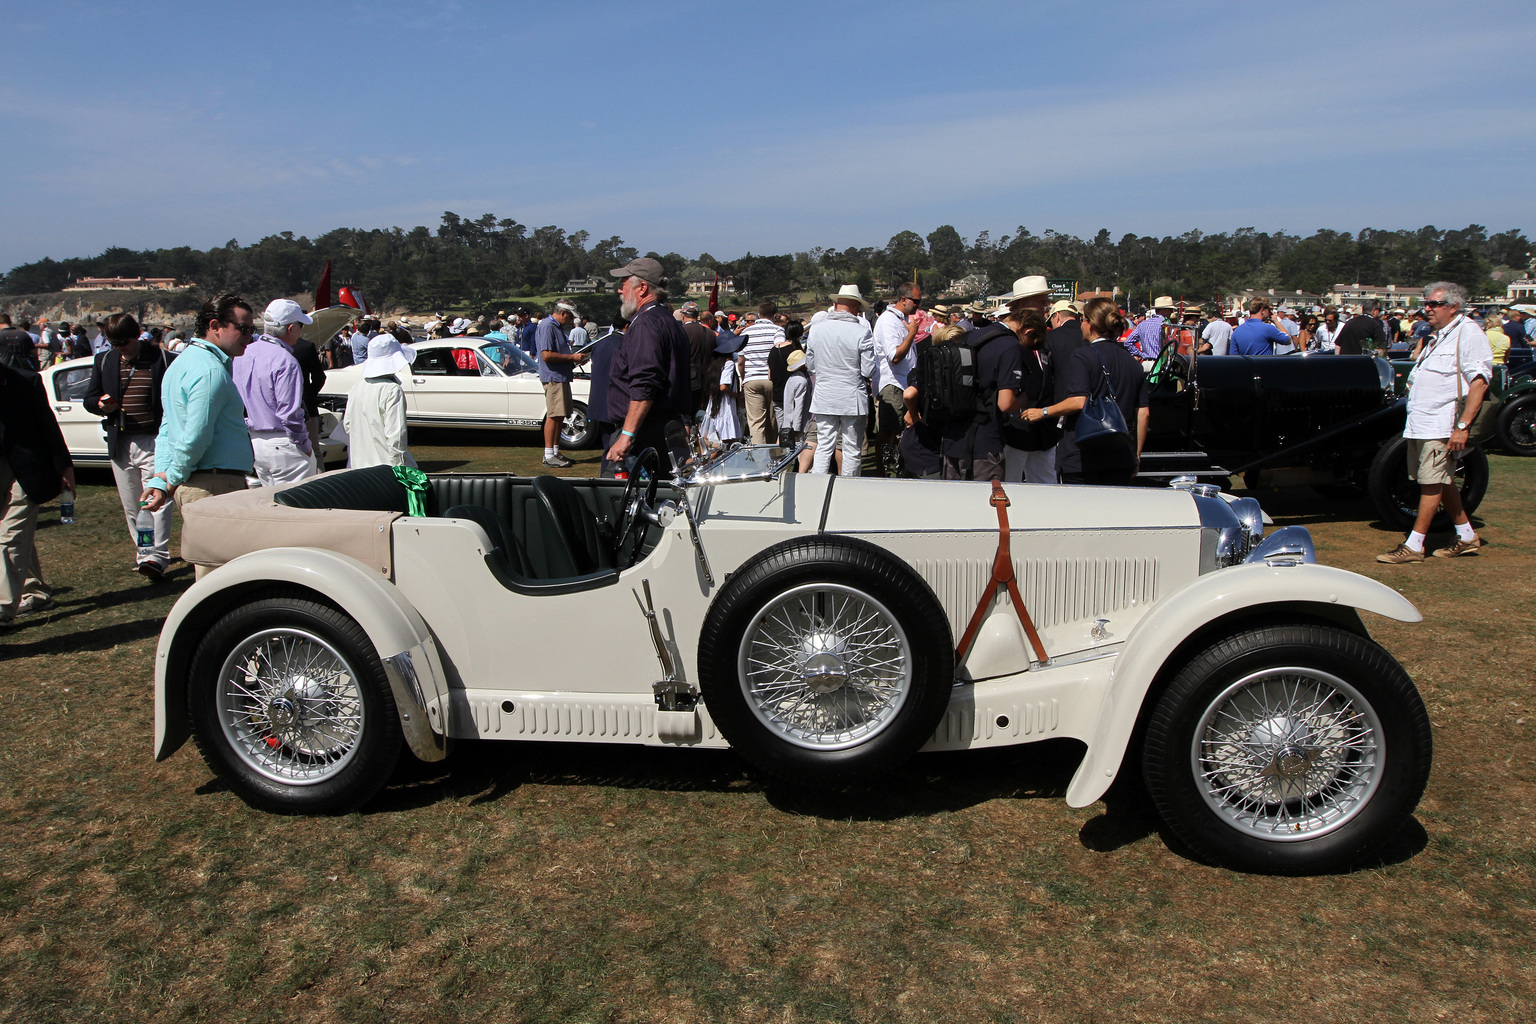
<point>145,528</point>
<point>67,507</point>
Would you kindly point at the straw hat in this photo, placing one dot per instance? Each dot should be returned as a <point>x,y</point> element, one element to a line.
<point>850,293</point>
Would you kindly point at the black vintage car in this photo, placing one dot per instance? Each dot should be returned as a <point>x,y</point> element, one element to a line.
<point>1330,422</point>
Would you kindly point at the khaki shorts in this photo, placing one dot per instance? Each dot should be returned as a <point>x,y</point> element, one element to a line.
<point>557,399</point>
<point>1429,463</point>
<point>890,410</point>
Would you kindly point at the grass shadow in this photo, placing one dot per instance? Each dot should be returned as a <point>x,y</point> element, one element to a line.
<point>100,639</point>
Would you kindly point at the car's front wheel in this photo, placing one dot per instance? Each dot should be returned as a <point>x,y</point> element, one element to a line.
<point>1291,749</point>
<point>578,431</point>
<point>290,706</point>
<point>826,661</point>
<point>1397,498</point>
<point>1517,426</point>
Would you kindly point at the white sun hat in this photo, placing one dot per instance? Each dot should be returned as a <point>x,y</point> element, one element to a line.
<point>386,356</point>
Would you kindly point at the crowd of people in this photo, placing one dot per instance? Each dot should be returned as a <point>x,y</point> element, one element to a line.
<point>1030,390</point>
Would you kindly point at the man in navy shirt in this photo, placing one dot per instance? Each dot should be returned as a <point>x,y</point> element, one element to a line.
<point>1256,336</point>
<point>648,378</point>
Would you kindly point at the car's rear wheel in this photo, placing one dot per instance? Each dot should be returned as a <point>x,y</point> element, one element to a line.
<point>290,706</point>
<point>1397,498</point>
<point>1289,749</point>
<point>826,661</point>
<point>1517,426</point>
<point>577,431</point>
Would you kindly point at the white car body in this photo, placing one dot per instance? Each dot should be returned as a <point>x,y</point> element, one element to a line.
<point>86,437</point>
<point>1111,578</point>
<point>502,392</point>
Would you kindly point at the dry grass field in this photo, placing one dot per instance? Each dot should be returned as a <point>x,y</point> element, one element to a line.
<point>573,884</point>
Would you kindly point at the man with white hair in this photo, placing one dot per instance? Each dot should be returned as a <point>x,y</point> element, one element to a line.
<point>840,352</point>
<point>1445,391</point>
<point>648,378</point>
<point>271,384</point>
<point>557,366</point>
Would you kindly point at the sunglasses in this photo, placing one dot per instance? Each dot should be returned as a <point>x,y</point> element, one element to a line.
<point>1435,303</point>
<point>243,328</point>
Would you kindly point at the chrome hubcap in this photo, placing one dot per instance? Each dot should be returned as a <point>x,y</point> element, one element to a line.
<point>825,666</point>
<point>290,706</point>
<point>1288,753</point>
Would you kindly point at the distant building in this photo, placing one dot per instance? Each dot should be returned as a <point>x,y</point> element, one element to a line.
<point>585,286</point>
<point>125,284</point>
<point>1523,290</point>
<point>1388,295</point>
<point>970,284</point>
<point>701,287</point>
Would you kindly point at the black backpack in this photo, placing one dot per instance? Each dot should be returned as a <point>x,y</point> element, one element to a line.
<point>945,376</point>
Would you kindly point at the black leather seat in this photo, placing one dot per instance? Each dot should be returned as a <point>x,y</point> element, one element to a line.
<point>506,549</point>
<point>579,548</point>
<point>373,489</point>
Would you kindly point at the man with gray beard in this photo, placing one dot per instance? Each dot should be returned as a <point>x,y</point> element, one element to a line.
<point>648,379</point>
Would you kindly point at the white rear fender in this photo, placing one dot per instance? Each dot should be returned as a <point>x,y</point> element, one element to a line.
<point>400,636</point>
<point>1229,592</point>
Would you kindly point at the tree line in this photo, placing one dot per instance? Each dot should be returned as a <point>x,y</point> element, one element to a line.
<point>484,262</point>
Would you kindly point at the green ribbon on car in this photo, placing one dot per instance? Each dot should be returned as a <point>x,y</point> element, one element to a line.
<point>416,484</point>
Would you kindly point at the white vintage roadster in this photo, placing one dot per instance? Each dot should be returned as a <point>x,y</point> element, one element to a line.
<point>826,629</point>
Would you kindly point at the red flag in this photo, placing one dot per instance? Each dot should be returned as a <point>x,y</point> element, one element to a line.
<point>323,289</point>
<point>714,295</point>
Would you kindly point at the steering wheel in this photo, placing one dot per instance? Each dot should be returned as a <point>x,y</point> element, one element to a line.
<point>635,506</point>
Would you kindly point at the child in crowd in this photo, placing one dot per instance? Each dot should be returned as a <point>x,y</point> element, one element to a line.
<point>797,401</point>
<point>722,423</point>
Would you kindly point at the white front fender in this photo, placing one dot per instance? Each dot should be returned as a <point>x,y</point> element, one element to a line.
<point>1185,612</point>
<point>398,632</point>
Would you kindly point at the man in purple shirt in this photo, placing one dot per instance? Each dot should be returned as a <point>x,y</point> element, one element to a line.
<point>1146,341</point>
<point>648,379</point>
<point>271,384</point>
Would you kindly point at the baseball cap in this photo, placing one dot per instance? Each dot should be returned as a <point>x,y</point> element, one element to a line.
<point>645,268</point>
<point>282,312</point>
<point>689,307</point>
<point>1065,306</point>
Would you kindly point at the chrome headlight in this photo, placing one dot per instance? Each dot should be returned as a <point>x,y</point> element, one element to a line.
<point>1251,516</point>
<point>1224,540</point>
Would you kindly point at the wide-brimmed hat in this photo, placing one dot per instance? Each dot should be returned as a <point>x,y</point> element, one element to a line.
<point>1065,306</point>
<point>727,343</point>
<point>1029,287</point>
<point>795,361</point>
<point>459,326</point>
<point>1164,302</point>
<point>850,293</point>
<point>386,356</point>
<point>939,310</point>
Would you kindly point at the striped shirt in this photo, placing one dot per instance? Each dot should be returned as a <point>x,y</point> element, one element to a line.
<point>136,379</point>
<point>760,338</point>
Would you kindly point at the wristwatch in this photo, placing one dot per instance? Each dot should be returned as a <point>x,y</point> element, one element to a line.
<point>1461,424</point>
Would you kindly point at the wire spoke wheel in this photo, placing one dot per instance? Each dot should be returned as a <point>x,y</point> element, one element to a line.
<point>825,666</point>
<point>1288,753</point>
<point>290,706</point>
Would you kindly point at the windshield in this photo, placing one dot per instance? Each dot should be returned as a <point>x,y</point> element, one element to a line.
<point>509,357</point>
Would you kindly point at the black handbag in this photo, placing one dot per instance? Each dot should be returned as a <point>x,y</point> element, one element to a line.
<point>1101,424</point>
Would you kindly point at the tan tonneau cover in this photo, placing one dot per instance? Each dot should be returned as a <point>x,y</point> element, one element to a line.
<point>218,529</point>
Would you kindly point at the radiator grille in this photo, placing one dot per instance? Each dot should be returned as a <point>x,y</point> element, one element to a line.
<point>1055,590</point>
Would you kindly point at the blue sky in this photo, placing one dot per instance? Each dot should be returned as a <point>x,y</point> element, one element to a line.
<point>726,127</point>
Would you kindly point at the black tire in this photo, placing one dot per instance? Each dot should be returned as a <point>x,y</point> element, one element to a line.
<point>264,740</point>
<point>1517,426</point>
<point>577,431</point>
<point>834,711</point>
<point>1242,807</point>
<point>1397,498</point>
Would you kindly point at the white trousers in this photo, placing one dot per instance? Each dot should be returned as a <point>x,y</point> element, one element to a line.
<point>133,464</point>
<point>834,430</point>
<point>1020,467</point>
<point>278,460</point>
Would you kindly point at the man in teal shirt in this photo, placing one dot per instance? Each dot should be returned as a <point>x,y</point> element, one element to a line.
<point>203,447</point>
